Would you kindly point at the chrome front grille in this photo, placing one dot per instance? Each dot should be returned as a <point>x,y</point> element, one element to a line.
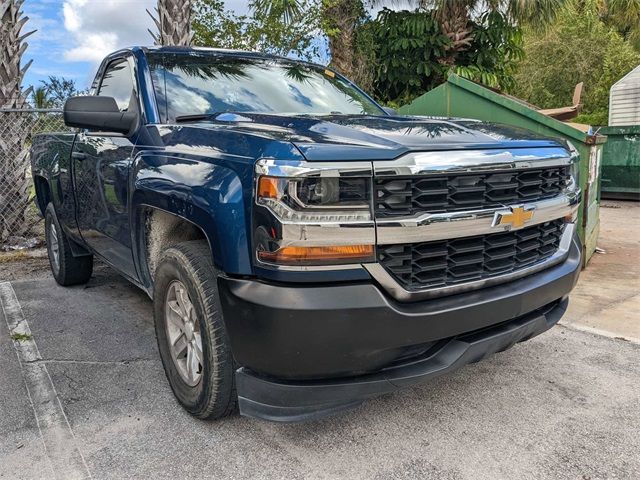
<point>456,261</point>
<point>410,195</point>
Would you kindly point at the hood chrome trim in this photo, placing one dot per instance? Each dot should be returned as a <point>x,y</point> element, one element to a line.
<point>303,168</point>
<point>468,161</point>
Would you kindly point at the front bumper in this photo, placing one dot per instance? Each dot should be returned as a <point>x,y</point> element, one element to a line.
<point>308,351</point>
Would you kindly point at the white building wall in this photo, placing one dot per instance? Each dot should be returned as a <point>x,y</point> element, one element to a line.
<point>624,100</point>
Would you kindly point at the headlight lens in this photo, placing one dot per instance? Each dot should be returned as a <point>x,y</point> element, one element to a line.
<point>315,193</point>
<point>575,175</point>
<point>575,166</point>
<point>332,192</point>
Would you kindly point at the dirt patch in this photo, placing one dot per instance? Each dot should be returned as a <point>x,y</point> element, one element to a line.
<point>23,265</point>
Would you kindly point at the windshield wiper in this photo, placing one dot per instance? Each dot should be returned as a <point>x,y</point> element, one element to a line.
<point>196,117</point>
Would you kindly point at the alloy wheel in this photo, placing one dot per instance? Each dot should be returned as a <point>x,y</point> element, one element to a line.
<point>183,333</point>
<point>54,247</point>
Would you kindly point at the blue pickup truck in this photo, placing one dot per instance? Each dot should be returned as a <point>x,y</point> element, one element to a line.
<point>304,247</point>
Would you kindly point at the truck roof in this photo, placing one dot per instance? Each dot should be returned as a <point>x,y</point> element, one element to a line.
<point>217,51</point>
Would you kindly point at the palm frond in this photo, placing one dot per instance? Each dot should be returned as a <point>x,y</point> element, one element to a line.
<point>12,47</point>
<point>285,10</point>
<point>535,12</point>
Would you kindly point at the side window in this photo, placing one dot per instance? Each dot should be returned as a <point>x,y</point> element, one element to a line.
<point>117,82</point>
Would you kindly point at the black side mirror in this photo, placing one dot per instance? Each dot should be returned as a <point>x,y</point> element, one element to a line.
<point>98,113</point>
<point>390,111</point>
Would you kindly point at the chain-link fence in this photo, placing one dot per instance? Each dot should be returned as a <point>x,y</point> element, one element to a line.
<point>20,222</point>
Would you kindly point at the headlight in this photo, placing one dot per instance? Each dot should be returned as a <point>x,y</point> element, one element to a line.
<point>320,217</point>
<point>315,194</point>
<point>574,171</point>
<point>575,167</point>
<point>573,184</point>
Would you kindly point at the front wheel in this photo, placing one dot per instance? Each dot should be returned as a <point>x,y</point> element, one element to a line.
<point>191,334</point>
<point>66,269</point>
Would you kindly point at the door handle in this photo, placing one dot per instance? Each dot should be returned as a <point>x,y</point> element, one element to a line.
<point>78,156</point>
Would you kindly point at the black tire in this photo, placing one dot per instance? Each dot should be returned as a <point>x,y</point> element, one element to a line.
<point>214,396</point>
<point>67,270</point>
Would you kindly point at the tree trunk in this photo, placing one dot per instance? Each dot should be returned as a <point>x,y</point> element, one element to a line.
<point>341,18</point>
<point>173,21</point>
<point>454,21</point>
<point>14,126</point>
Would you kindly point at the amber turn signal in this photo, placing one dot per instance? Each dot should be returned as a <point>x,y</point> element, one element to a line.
<point>318,255</point>
<point>268,187</point>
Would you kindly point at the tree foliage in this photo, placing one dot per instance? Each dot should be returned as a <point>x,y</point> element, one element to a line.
<point>578,47</point>
<point>40,98</point>
<point>215,26</point>
<point>286,27</point>
<point>624,16</point>
<point>290,27</point>
<point>412,53</point>
<point>55,91</point>
<point>407,47</point>
<point>495,49</point>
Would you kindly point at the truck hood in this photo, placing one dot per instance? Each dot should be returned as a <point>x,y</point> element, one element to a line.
<point>363,137</point>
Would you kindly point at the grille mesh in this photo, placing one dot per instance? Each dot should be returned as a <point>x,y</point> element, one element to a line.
<point>409,195</point>
<point>450,262</point>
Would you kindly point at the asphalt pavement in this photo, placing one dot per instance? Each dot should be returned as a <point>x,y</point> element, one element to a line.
<point>563,405</point>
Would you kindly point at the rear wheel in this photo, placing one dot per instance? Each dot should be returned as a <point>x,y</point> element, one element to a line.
<point>191,334</point>
<point>66,269</point>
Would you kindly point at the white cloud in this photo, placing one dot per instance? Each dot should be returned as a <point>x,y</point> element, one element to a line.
<point>72,21</point>
<point>99,27</point>
<point>94,47</point>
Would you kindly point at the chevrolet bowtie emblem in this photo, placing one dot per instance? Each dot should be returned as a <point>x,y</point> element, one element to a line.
<point>515,217</point>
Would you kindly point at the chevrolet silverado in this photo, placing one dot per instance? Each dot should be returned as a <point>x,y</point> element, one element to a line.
<point>305,248</point>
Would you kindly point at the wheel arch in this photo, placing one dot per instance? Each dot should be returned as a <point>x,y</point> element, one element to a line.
<point>158,229</point>
<point>210,195</point>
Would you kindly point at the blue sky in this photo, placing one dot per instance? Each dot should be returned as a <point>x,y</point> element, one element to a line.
<point>74,35</point>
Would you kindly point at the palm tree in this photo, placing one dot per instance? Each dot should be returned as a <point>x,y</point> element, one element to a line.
<point>339,19</point>
<point>173,21</point>
<point>456,17</point>
<point>342,17</point>
<point>40,98</point>
<point>14,126</point>
<point>624,15</point>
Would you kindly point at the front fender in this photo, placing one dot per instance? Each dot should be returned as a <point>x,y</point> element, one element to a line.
<point>209,195</point>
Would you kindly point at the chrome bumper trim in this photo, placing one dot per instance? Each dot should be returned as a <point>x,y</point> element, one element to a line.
<point>440,226</point>
<point>327,234</point>
<point>397,291</point>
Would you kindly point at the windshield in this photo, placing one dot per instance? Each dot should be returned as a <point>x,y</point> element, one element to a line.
<point>192,84</point>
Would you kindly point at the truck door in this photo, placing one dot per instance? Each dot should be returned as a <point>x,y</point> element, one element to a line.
<point>101,162</point>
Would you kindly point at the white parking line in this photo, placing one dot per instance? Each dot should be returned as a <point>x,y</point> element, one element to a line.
<point>599,331</point>
<point>59,441</point>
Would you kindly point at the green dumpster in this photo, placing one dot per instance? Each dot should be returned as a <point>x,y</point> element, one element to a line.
<point>621,162</point>
<point>459,97</point>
